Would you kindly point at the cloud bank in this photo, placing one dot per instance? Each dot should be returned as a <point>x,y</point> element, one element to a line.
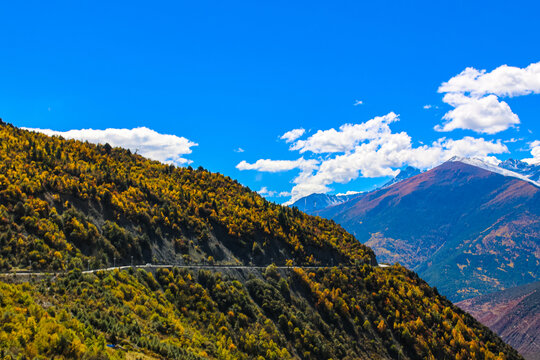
<point>475,96</point>
<point>504,81</point>
<point>368,149</point>
<point>146,142</point>
<point>268,165</point>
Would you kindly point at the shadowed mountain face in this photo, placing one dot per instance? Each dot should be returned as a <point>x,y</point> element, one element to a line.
<point>514,314</point>
<point>466,230</point>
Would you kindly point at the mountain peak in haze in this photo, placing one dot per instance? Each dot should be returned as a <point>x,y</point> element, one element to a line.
<point>315,202</point>
<point>403,174</point>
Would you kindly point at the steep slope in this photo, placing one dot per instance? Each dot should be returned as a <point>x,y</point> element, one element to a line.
<point>464,229</point>
<point>67,204</point>
<point>63,201</point>
<point>357,313</point>
<point>514,314</point>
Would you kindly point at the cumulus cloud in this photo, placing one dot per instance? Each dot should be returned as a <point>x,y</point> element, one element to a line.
<point>270,193</point>
<point>484,115</point>
<point>384,156</point>
<point>503,81</point>
<point>535,152</point>
<point>292,135</point>
<point>369,149</point>
<point>268,165</point>
<point>265,192</point>
<point>146,142</point>
<point>347,137</point>
<point>475,94</point>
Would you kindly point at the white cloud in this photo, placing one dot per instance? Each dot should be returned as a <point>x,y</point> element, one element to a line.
<point>484,115</point>
<point>268,165</point>
<point>239,150</point>
<point>475,96</point>
<point>428,106</point>
<point>368,149</point>
<point>350,192</point>
<point>347,137</point>
<point>146,142</point>
<point>535,152</point>
<point>384,156</point>
<point>503,81</point>
<point>358,102</point>
<point>292,135</point>
<point>265,192</point>
<point>512,140</point>
<point>270,193</point>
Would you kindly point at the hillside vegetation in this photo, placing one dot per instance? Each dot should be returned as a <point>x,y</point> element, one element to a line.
<point>66,201</point>
<point>514,314</point>
<point>67,205</point>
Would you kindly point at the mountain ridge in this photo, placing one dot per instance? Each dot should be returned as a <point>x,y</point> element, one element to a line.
<point>317,202</point>
<point>65,205</point>
<point>531,171</point>
<point>449,209</point>
<point>505,169</point>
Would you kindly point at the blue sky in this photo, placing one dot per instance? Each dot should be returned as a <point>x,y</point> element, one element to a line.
<point>238,75</point>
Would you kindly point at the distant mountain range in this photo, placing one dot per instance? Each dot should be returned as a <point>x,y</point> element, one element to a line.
<point>466,226</point>
<point>531,171</point>
<point>514,314</point>
<point>403,174</point>
<point>312,203</point>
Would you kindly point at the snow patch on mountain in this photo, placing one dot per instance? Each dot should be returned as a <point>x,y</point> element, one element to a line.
<point>531,171</point>
<point>493,167</point>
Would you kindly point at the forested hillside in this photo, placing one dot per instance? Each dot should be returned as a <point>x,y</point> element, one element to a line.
<point>66,201</point>
<point>514,314</point>
<point>66,205</point>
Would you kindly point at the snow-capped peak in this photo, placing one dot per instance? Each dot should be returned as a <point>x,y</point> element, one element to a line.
<point>492,165</point>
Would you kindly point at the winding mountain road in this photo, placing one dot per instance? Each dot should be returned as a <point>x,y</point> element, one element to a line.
<point>168,266</point>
